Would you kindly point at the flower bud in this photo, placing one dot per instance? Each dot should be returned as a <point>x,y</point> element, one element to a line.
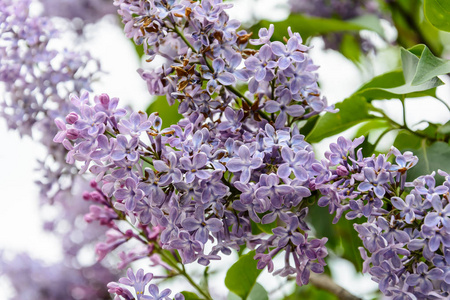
<point>71,118</point>
<point>104,99</point>
<point>72,134</point>
<point>342,171</point>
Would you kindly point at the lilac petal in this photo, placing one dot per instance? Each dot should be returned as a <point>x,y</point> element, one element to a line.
<point>398,203</point>
<point>370,174</point>
<point>269,218</point>
<point>292,44</point>
<point>432,219</point>
<point>242,75</point>
<point>226,78</point>
<point>203,174</point>
<point>441,190</point>
<point>245,175</point>
<point>278,48</point>
<point>202,235</point>
<point>365,186</point>
<point>160,166</point>
<point>284,171</point>
<point>265,53</point>
<point>272,106</point>
<point>165,293</point>
<point>301,173</point>
<point>281,120</point>
<point>434,243</point>
<point>235,165</point>
<point>413,279</point>
<point>252,63</point>
<point>214,225</point>
<point>284,189</point>
<point>260,74</point>
<point>436,274</point>
<point>190,224</point>
<point>436,202</point>
<point>284,63</point>
<point>153,289</point>
<point>218,65</point>
<point>295,110</point>
<point>256,162</point>
<point>297,56</point>
<point>379,191</point>
<point>190,177</point>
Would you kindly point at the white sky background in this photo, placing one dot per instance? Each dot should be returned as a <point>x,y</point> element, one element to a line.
<point>20,226</point>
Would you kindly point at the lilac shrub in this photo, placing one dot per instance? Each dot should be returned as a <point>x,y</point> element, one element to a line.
<point>35,80</point>
<point>34,279</point>
<point>338,9</point>
<point>238,159</point>
<point>234,172</point>
<point>89,11</point>
<point>194,180</point>
<point>405,229</point>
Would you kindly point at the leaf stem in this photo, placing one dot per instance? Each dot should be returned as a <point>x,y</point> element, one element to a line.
<point>182,272</point>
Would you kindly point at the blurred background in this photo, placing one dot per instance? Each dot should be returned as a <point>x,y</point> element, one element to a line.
<point>352,41</point>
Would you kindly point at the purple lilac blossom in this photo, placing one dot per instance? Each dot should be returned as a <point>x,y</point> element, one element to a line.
<point>252,142</point>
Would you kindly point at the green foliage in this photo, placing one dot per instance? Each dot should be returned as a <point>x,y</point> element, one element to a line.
<point>438,13</point>
<point>342,237</point>
<point>267,228</point>
<point>429,66</point>
<point>190,296</point>
<point>312,26</point>
<point>372,125</point>
<point>431,158</point>
<point>258,292</point>
<point>169,114</point>
<point>310,292</point>
<point>352,111</point>
<point>242,275</point>
<point>416,79</point>
<point>350,48</point>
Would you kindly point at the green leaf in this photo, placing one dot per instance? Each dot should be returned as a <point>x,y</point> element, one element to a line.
<point>342,237</point>
<point>352,111</point>
<point>242,275</point>
<point>310,26</point>
<point>444,129</point>
<point>308,125</point>
<point>369,22</point>
<point>404,83</point>
<point>429,66</point>
<point>169,114</point>
<point>369,126</point>
<point>190,296</point>
<point>405,140</point>
<point>438,13</point>
<point>431,158</point>
<point>351,48</point>
<point>257,293</point>
<point>267,228</point>
<point>310,292</point>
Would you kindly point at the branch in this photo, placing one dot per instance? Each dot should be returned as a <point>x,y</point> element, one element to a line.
<point>324,282</point>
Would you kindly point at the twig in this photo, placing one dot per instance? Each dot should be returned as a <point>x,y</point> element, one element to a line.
<point>324,282</point>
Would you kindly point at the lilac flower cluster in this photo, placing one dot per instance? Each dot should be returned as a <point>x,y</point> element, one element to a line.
<point>34,279</point>
<point>406,231</point>
<point>237,160</point>
<point>229,163</point>
<point>139,282</point>
<point>339,9</point>
<point>35,79</point>
<point>90,11</point>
